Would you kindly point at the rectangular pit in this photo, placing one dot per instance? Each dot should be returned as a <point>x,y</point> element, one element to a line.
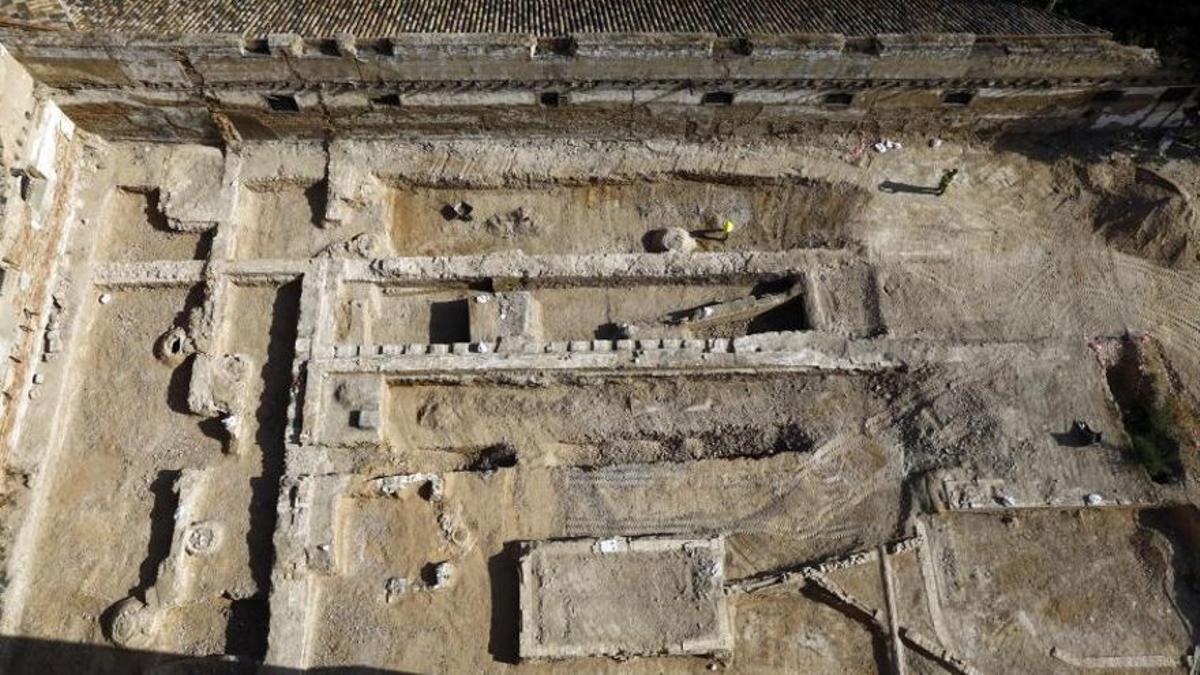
<point>622,420</point>
<point>583,214</point>
<point>619,596</point>
<point>135,230</point>
<point>404,315</point>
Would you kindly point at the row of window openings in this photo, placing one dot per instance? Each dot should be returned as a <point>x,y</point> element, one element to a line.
<point>835,99</point>
<point>566,46</point>
<point>553,99</point>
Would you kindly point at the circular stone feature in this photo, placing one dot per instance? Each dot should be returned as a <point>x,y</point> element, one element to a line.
<point>173,346</point>
<point>202,538</point>
<point>132,624</point>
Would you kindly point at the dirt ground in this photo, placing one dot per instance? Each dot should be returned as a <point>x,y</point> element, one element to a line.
<point>190,480</point>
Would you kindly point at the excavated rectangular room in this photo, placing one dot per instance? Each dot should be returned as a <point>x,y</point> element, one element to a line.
<point>619,596</point>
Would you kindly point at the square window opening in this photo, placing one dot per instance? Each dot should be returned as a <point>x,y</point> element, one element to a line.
<point>717,98</point>
<point>552,99</point>
<point>838,99</point>
<point>282,103</point>
<point>958,97</point>
<point>387,100</point>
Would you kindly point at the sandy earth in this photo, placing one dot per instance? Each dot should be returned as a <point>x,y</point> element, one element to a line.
<point>992,297</point>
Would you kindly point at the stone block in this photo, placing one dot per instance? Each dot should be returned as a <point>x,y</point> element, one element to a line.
<point>218,384</point>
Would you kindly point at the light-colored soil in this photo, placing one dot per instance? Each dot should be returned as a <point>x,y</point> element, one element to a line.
<point>281,222</point>
<point>991,298</point>
<point>1055,579</point>
<point>136,232</point>
<point>768,215</point>
<point>104,527</point>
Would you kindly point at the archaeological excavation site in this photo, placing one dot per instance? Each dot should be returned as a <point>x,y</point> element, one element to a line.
<point>580,336</point>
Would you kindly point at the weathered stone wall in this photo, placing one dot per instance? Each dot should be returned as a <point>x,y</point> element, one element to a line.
<point>36,171</point>
<point>225,87</point>
<point>17,86</point>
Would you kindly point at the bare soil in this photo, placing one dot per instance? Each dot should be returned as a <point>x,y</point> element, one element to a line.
<point>1027,551</point>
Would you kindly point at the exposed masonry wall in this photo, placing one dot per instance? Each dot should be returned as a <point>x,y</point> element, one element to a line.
<point>37,168</point>
<point>614,268</point>
<point>217,87</point>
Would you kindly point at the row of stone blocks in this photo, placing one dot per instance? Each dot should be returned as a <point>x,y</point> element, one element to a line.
<point>710,345</point>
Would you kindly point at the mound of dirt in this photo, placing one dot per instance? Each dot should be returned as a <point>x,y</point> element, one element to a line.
<point>1140,212</point>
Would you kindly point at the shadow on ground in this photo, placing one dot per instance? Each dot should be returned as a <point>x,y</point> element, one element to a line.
<point>21,656</point>
<point>1143,145</point>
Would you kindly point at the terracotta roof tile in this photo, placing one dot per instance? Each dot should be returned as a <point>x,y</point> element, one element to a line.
<point>552,17</point>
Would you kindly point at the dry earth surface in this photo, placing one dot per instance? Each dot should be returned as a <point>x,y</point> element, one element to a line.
<point>308,410</point>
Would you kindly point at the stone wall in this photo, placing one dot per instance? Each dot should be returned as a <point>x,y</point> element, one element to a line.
<point>213,88</point>
<point>37,157</point>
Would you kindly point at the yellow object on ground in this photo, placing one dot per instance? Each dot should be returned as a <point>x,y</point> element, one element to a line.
<point>727,226</point>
